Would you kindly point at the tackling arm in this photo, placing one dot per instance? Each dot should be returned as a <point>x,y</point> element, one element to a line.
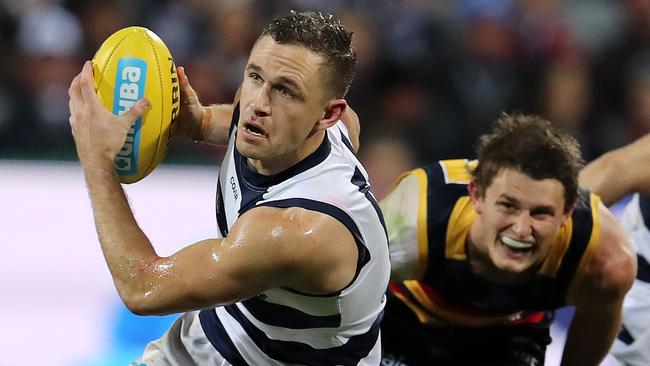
<point>597,291</point>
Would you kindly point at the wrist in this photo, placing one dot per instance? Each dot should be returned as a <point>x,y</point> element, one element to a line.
<point>98,167</point>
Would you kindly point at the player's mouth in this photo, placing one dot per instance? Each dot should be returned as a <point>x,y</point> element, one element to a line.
<point>516,245</point>
<point>254,129</point>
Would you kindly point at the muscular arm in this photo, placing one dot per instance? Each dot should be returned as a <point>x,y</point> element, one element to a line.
<point>266,248</point>
<point>619,172</point>
<point>597,293</point>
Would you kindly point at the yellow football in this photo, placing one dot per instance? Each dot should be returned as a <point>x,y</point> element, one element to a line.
<point>131,64</point>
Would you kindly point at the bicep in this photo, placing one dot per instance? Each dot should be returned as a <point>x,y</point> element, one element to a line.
<point>214,272</point>
<point>265,248</point>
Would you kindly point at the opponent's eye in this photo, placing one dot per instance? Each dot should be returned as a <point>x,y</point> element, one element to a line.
<point>508,206</point>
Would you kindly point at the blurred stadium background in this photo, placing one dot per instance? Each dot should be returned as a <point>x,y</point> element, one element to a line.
<point>432,75</point>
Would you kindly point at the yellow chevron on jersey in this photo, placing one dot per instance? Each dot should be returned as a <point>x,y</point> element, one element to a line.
<point>595,236</point>
<point>553,261</point>
<point>458,170</point>
<point>462,217</point>
<point>423,240</point>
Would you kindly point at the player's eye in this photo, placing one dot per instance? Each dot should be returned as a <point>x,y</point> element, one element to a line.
<point>254,76</point>
<point>285,92</point>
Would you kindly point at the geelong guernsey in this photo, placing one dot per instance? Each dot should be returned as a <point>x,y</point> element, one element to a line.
<point>632,346</point>
<point>283,326</point>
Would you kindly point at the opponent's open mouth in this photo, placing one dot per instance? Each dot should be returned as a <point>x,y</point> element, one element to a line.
<point>515,244</point>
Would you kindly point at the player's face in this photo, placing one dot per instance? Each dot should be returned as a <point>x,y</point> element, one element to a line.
<point>282,99</point>
<point>519,219</point>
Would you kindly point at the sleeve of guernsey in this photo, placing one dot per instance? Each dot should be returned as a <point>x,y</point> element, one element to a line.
<point>405,214</point>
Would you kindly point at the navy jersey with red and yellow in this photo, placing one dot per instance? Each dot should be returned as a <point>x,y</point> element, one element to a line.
<point>429,215</point>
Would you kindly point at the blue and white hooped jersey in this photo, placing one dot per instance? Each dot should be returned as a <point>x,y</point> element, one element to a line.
<point>633,344</point>
<point>283,326</point>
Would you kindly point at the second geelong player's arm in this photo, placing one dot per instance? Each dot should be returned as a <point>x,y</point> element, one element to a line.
<point>619,172</point>
<point>597,292</point>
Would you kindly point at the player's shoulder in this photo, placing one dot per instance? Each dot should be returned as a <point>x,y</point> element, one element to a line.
<point>611,267</point>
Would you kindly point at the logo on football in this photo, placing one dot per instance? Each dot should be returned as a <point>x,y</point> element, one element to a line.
<point>131,64</point>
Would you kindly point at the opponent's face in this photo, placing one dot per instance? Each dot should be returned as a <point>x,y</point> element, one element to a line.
<point>282,101</point>
<point>519,219</point>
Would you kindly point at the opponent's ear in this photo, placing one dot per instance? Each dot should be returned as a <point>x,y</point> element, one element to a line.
<point>475,196</point>
<point>333,112</point>
<point>566,215</point>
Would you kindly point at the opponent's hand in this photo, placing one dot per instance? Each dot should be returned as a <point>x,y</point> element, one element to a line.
<point>189,122</point>
<point>98,134</point>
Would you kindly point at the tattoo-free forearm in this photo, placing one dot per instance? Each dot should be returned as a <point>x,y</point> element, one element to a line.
<point>215,123</point>
<point>126,248</point>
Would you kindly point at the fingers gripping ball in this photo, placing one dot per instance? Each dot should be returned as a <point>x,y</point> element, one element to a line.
<point>131,64</point>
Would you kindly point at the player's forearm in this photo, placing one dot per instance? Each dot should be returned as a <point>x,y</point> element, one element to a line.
<point>603,178</point>
<point>126,249</point>
<point>618,172</point>
<point>590,338</point>
<point>215,123</point>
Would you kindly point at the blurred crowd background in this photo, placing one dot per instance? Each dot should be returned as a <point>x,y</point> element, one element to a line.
<point>432,74</point>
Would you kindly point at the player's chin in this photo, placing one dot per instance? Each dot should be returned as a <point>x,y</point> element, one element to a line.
<point>251,149</point>
<point>514,266</point>
<point>517,262</point>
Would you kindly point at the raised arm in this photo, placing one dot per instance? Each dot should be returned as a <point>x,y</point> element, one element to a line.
<point>619,172</point>
<point>597,292</point>
<point>196,122</point>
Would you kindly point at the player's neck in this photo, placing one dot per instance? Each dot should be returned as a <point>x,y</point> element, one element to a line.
<point>281,163</point>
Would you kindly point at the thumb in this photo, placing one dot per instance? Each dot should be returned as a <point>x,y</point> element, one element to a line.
<point>135,112</point>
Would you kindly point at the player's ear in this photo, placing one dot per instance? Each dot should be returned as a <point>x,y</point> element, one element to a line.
<point>333,112</point>
<point>475,195</point>
<point>568,211</point>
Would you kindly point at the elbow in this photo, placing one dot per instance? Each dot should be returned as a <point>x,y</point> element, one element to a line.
<point>140,305</point>
<point>135,303</point>
<point>621,275</point>
<point>140,301</point>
